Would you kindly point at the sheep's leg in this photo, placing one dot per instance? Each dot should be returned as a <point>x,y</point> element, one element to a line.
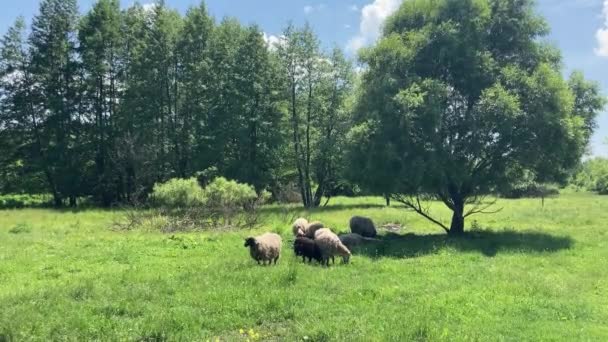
<point>275,260</point>
<point>333,260</point>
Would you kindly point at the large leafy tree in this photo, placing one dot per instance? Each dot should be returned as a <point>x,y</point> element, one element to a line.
<point>461,97</point>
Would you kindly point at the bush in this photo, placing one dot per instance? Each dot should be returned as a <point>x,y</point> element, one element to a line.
<point>531,190</point>
<point>592,176</point>
<point>17,201</point>
<point>227,199</point>
<point>182,204</point>
<point>178,193</point>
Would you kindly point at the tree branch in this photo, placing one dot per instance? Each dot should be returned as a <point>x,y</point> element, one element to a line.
<point>417,207</point>
<point>482,209</point>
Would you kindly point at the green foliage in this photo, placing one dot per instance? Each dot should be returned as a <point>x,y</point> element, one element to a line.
<point>317,88</point>
<point>461,97</point>
<point>592,176</point>
<point>228,194</point>
<point>178,193</point>
<point>15,201</point>
<point>419,284</point>
<point>531,190</point>
<point>110,103</point>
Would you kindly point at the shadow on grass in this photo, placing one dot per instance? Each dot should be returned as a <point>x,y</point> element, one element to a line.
<point>488,243</point>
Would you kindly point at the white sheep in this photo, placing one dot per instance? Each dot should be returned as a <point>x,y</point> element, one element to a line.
<point>299,226</point>
<point>266,247</point>
<point>330,245</point>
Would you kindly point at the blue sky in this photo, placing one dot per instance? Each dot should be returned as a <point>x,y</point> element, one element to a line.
<point>579,28</point>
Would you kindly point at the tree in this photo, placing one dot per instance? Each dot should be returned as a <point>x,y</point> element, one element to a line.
<point>316,88</point>
<point>56,98</point>
<point>194,75</point>
<point>333,123</point>
<point>21,158</point>
<point>463,98</point>
<point>100,44</point>
<point>258,111</point>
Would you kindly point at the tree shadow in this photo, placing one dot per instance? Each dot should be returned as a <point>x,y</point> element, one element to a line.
<point>488,243</point>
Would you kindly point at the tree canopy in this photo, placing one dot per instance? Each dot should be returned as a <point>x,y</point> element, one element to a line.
<point>457,100</point>
<point>462,97</point>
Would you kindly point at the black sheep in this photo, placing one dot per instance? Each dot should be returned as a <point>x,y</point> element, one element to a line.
<point>307,248</point>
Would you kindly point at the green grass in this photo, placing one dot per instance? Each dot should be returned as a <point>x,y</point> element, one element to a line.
<point>526,273</point>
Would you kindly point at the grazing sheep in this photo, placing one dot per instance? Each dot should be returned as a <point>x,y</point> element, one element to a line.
<point>322,231</point>
<point>266,247</point>
<point>353,240</point>
<point>307,248</point>
<point>330,245</point>
<point>363,226</point>
<point>311,228</point>
<point>299,226</point>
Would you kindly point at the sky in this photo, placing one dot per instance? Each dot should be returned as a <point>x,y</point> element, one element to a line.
<point>579,28</point>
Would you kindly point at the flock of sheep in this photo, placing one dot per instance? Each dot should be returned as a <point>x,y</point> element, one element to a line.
<point>313,241</point>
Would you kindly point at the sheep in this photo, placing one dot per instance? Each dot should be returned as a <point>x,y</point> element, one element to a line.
<point>266,247</point>
<point>322,231</point>
<point>307,248</point>
<point>330,245</point>
<point>299,226</point>
<point>363,226</point>
<point>311,228</point>
<point>353,240</point>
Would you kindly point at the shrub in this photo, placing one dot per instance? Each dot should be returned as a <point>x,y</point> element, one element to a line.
<point>178,193</point>
<point>531,190</point>
<point>592,176</point>
<point>182,205</point>
<point>15,201</point>
<point>227,199</point>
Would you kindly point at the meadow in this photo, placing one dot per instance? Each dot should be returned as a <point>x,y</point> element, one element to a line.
<point>530,272</point>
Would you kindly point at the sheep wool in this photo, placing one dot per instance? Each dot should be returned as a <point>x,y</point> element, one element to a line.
<point>306,248</point>
<point>312,228</point>
<point>363,226</point>
<point>266,247</point>
<point>353,240</point>
<point>299,226</point>
<point>330,245</point>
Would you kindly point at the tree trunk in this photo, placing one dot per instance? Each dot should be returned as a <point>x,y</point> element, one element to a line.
<point>457,226</point>
<point>72,201</point>
<point>388,200</point>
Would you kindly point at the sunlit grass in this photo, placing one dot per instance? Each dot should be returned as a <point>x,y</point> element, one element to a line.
<point>527,273</point>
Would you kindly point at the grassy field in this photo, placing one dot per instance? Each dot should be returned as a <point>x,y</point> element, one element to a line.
<point>526,273</point>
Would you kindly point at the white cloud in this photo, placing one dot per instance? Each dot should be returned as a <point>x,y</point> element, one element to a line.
<point>602,34</point>
<point>272,41</point>
<point>316,8</point>
<point>149,7</point>
<point>372,19</point>
<point>347,26</point>
<point>353,8</point>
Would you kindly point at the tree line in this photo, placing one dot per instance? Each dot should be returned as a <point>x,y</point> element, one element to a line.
<point>111,102</point>
<point>457,100</point>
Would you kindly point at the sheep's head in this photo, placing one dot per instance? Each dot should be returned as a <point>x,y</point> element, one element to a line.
<point>250,242</point>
